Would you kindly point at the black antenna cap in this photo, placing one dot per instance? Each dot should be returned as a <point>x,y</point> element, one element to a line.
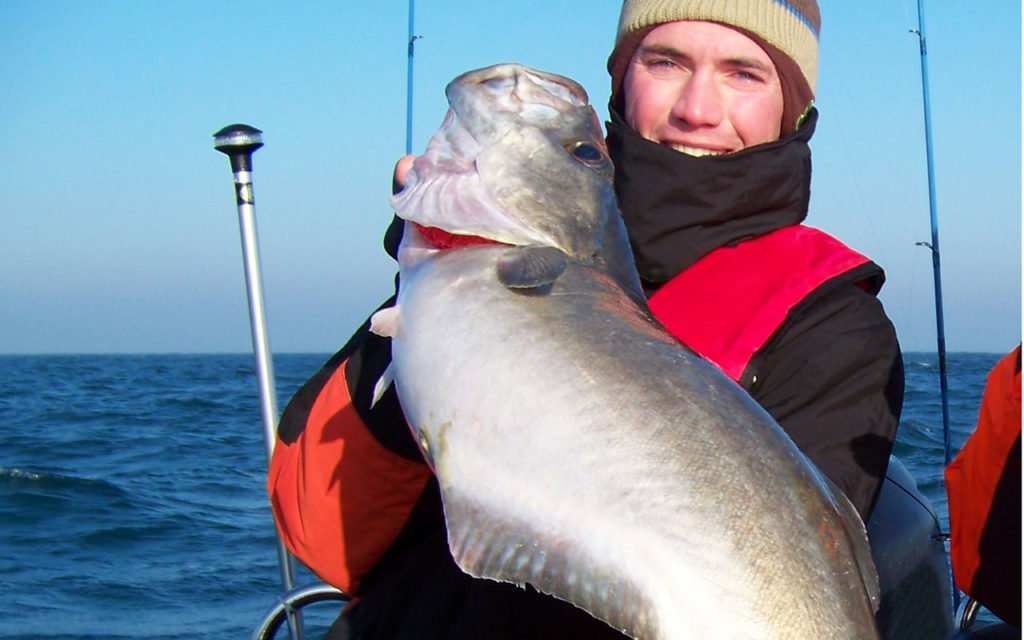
<point>238,142</point>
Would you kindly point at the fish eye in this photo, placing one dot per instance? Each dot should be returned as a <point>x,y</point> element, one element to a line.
<point>586,153</point>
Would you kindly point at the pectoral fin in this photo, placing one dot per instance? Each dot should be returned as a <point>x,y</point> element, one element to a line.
<point>531,267</point>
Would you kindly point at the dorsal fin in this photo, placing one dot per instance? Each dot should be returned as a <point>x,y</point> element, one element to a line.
<point>858,542</point>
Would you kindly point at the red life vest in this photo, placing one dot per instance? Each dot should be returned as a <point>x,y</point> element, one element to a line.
<point>729,303</point>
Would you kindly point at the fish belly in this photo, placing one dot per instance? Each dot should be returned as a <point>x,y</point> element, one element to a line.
<point>580,449</point>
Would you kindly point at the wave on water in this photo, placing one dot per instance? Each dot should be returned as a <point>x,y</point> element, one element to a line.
<point>42,483</point>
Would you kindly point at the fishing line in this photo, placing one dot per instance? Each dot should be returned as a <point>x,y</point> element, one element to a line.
<point>899,307</point>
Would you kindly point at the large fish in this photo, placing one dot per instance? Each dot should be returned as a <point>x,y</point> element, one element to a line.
<point>579,447</point>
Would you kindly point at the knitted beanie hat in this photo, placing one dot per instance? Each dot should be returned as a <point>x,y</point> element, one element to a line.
<point>786,29</point>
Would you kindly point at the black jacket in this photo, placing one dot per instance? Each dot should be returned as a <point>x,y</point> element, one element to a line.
<point>832,374</point>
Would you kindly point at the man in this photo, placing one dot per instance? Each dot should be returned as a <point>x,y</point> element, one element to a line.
<point>710,119</point>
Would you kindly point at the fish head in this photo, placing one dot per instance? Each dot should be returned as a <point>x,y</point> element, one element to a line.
<point>519,160</point>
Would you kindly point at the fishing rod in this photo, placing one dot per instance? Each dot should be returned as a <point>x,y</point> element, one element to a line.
<point>408,78</point>
<point>933,246</point>
<point>239,142</point>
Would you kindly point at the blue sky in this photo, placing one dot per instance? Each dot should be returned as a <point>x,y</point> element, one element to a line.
<point>120,234</point>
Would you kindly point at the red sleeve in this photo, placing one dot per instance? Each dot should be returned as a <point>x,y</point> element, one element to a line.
<point>339,497</point>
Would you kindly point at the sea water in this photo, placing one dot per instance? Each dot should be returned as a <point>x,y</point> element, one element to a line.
<point>133,500</point>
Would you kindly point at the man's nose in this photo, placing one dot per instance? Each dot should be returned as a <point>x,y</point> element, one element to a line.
<point>699,103</point>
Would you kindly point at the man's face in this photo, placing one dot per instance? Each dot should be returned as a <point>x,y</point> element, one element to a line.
<point>702,88</point>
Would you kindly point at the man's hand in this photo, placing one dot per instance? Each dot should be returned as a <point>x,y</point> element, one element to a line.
<point>393,235</point>
<point>401,169</point>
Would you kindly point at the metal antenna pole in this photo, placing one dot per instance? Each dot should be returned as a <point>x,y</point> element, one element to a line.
<point>238,142</point>
<point>408,78</point>
<point>940,330</point>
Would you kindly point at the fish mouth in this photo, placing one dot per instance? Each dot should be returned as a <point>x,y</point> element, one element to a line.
<point>446,200</point>
<point>443,240</point>
<point>421,243</point>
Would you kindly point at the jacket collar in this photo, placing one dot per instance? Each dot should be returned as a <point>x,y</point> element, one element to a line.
<point>678,208</point>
